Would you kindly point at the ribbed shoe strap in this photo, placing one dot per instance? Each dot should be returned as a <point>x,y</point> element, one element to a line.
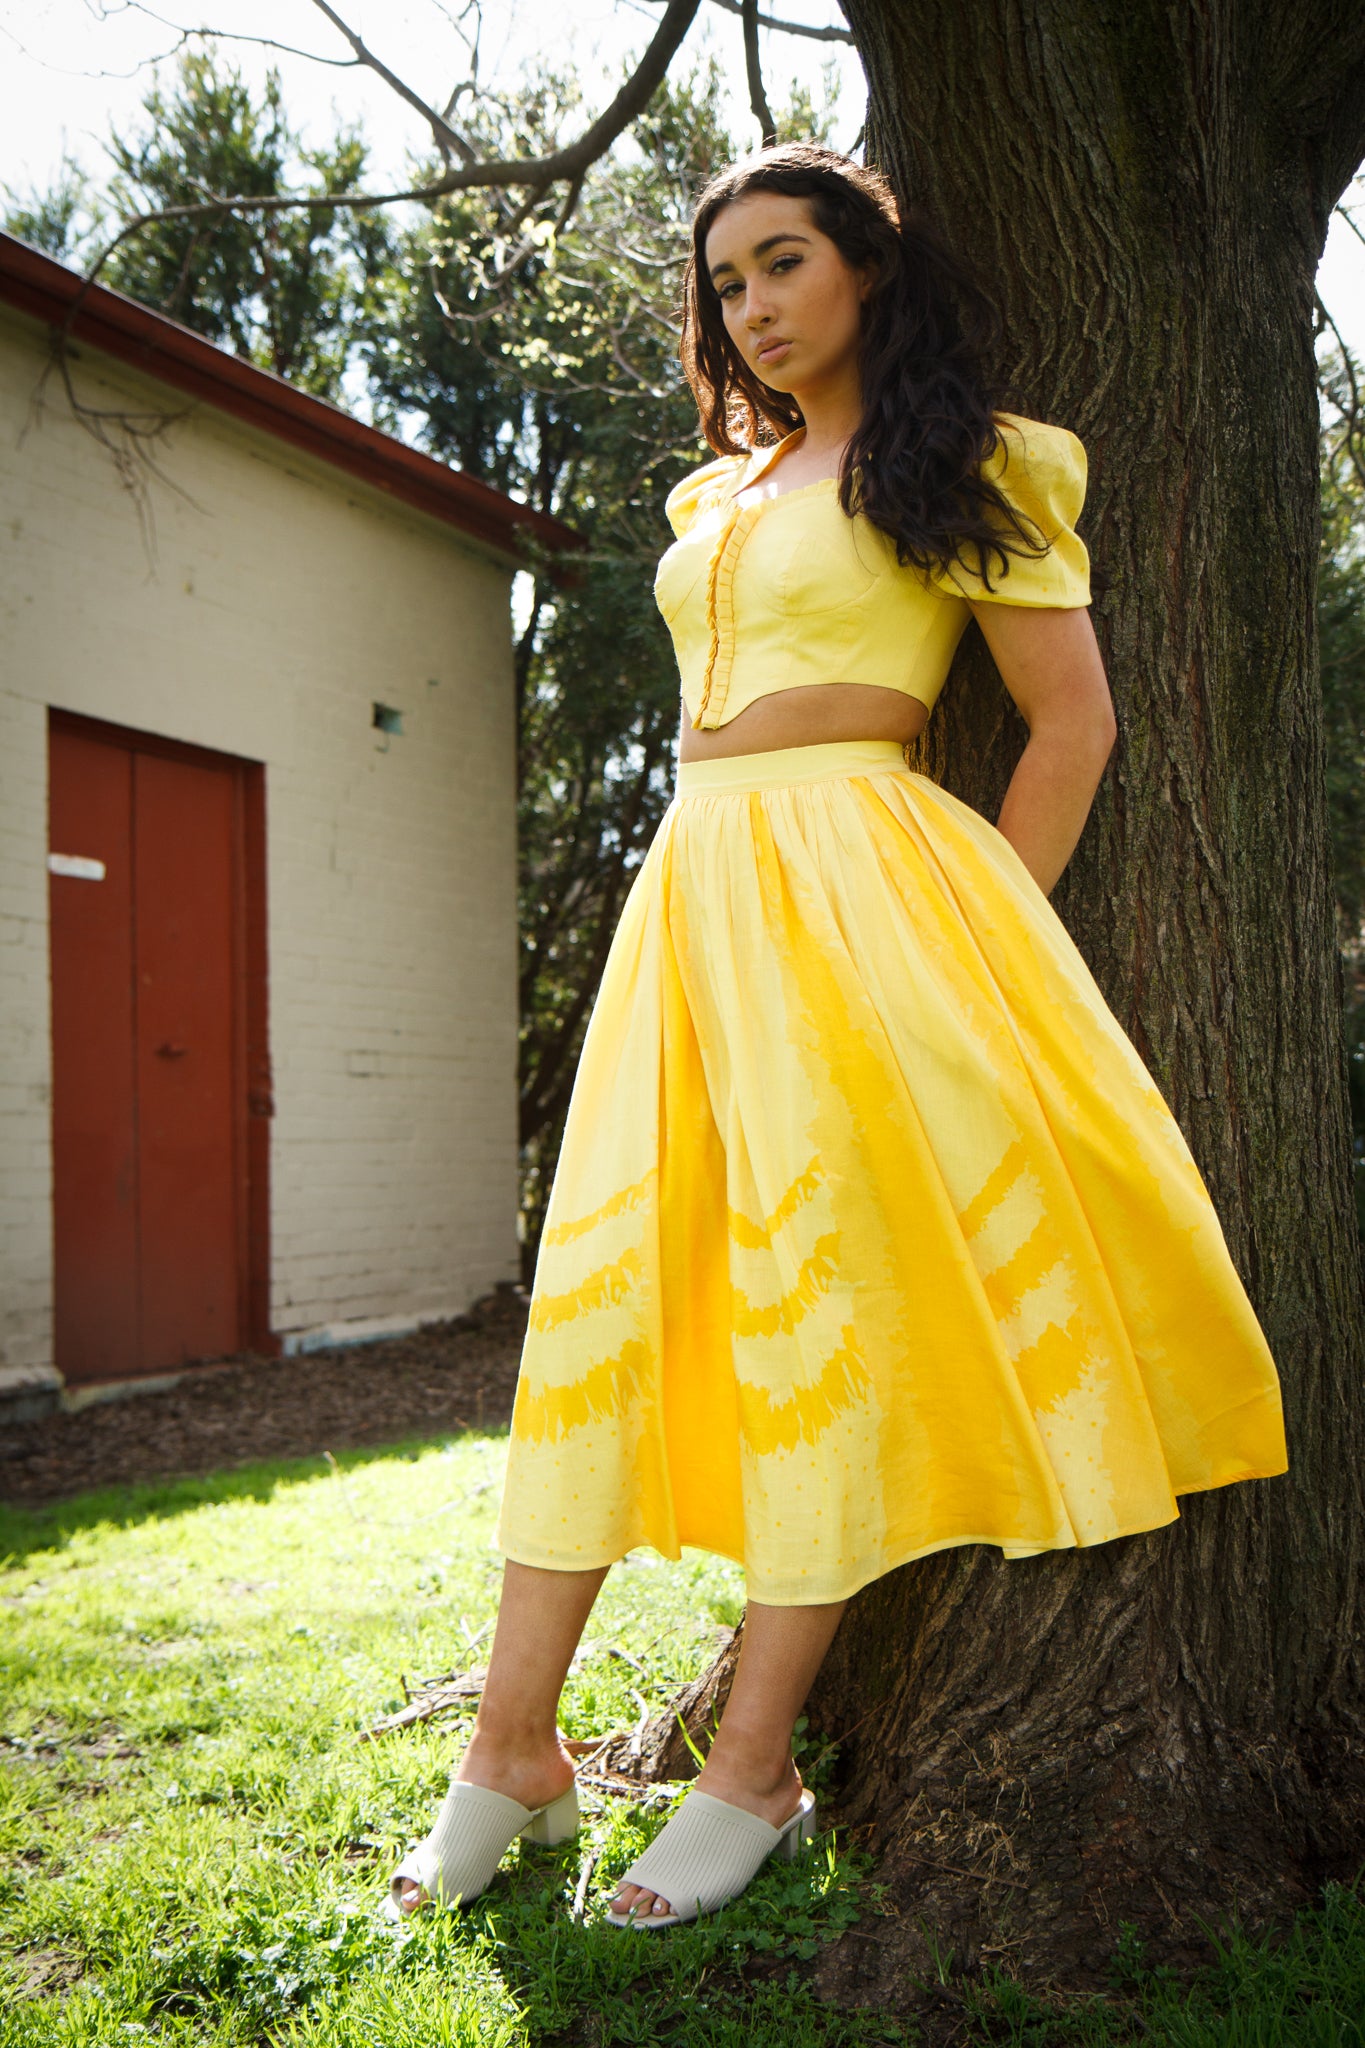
<point>704,1855</point>
<point>472,1832</point>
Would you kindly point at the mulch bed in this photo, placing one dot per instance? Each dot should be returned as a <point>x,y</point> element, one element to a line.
<point>444,1377</point>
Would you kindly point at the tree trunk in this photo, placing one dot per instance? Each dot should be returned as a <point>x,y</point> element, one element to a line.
<point>1167,1726</point>
<point>1170,1725</point>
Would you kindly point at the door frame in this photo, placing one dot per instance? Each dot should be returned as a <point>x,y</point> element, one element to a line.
<point>252,1088</point>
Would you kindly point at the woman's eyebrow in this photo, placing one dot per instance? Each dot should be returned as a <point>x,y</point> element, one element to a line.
<point>762,248</point>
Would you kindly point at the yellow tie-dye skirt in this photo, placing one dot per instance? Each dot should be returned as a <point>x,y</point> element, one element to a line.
<point>870,1231</point>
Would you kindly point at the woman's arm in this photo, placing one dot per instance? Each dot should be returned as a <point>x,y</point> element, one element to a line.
<point>1050,664</point>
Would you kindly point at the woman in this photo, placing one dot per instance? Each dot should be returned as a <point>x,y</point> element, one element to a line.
<point>870,1233</point>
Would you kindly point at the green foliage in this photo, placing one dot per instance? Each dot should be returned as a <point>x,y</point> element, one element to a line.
<point>1341,628</point>
<point>284,290</point>
<point>1341,635</point>
<point>65,221</point>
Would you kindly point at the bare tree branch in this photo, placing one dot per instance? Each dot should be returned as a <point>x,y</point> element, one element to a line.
<point>130,439</point>
<point>227,35</point>
<point>471,83</point>
<point>65,71</point>
<point>1342,214</point>
<point>448,140</point>
<point>536,173</point>
<point>762,112</point>
<point>788,28</point>
<point>506,268</point>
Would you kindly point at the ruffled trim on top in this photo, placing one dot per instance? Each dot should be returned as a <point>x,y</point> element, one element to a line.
<point>715,482</point>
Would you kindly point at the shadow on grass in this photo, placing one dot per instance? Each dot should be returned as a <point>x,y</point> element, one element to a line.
<point>25,1531</point>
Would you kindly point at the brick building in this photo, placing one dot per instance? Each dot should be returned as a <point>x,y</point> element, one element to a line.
<point>258,962</point>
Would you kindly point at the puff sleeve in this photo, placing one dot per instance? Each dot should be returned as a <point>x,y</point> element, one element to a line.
<point>687,498</point>
<point>1041,470</point>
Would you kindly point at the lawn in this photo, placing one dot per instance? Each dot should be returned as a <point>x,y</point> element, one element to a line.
<point>194,1843</point>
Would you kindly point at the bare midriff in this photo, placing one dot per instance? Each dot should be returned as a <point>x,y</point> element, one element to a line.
<point>806,717</point>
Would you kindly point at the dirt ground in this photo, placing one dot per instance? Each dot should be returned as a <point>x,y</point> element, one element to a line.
<point>443,1377</point>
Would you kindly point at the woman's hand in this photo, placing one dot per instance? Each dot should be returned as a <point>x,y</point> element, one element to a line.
<point>1050,663</point>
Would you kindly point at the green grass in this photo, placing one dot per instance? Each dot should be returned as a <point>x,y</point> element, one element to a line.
<point>193,1847</point>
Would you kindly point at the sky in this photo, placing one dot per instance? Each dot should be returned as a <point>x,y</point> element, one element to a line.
<point>70,67</point>
<point>67,66</point>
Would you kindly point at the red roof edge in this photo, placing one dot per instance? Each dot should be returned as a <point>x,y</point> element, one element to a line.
<point>38,285</point>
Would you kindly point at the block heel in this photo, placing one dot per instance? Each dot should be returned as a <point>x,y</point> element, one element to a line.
<point>554,1823</point>
<point>799,1830</point>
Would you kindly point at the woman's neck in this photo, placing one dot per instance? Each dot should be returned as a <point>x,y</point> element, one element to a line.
<point>831,412</point>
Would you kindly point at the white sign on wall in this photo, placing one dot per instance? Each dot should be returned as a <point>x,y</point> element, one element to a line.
<point>77,864</point>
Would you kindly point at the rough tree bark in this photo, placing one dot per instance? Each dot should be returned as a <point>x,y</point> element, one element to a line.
<point>1168,1726</point>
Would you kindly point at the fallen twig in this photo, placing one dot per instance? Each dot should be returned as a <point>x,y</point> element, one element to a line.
<point>638,1733</point>
<point>584,1878</point>
<point>429,1701</point>
<point>630,1788</point>
<point>577,1747</point>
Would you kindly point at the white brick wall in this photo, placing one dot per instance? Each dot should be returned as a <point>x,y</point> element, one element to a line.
<point>25,1022</point>
<point>279,601</point>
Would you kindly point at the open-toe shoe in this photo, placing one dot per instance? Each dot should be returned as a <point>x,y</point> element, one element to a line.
<point>706,1854</point>
<point>473,1830</point>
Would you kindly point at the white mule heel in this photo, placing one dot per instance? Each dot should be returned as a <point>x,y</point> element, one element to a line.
<point>473,1830</point>
<point>707,1853</point>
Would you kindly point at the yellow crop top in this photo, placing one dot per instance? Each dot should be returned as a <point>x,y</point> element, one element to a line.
<point>790,591</point>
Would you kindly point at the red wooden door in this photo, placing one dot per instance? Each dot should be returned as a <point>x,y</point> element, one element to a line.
<point>152,1165</point>
<point>93,1103</point>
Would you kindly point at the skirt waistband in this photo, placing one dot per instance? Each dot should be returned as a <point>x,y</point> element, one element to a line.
<point>777,766</point>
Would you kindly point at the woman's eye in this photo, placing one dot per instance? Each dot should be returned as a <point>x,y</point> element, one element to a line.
<point>779,263</point>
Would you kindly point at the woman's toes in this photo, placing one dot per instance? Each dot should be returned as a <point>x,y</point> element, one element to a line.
<point>411,1895</point>
<point>644,1903</point>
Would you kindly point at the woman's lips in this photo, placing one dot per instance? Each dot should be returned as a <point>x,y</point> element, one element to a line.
<point>772,352</point>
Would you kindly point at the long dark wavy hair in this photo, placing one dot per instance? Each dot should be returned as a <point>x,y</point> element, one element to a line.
<point>929,335</point>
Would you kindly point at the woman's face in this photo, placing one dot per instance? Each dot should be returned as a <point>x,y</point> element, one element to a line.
<point>790,300</point>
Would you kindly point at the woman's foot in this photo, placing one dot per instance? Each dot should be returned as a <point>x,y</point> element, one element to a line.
<point>533,1774</point>
<point>772,1795</point>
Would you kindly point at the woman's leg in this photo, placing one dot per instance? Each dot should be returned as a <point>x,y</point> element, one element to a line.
<point>750,1762</point>
<point>515,1745</point>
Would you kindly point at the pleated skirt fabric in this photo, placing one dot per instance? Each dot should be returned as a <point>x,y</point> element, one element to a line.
<point>871,1232</point>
